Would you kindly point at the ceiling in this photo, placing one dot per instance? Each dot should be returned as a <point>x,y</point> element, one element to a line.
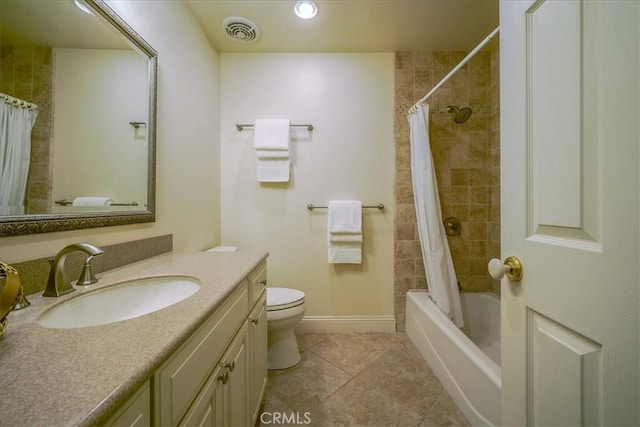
<point>339,26</point>
<point>352,25</point>
<point>56,24</point>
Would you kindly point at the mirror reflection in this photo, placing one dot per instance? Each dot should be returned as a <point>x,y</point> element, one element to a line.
<point>76,114</point>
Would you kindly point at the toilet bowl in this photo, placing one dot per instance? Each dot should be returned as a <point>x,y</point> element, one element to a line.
<point>285,309</point>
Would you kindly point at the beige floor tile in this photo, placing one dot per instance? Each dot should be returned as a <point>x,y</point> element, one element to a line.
<point>309,383</point>
<point>445,413</point>
<point>360,380</point>
<point>407,382</point>
<point>273,412</point>
<point>355,406</point>
<point>353,352</point>
<point>309,339</point>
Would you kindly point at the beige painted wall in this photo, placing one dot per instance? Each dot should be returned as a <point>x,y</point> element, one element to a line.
<point>188,162</point>
<point>349,100</point>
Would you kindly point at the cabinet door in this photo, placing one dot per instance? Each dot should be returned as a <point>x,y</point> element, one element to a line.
<point>223,401</point>
<point>181,379</point>
<point>208,407</point>
<point>237,388</point>
<point>258,352</point>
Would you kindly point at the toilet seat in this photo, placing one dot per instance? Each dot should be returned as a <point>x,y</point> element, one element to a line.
<point>283,298</point>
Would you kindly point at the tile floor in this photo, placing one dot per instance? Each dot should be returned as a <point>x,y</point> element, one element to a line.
<point>367,379</point>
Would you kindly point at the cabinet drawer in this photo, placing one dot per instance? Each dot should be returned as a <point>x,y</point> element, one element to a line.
<point>258,282</point>
<point>184,375</point>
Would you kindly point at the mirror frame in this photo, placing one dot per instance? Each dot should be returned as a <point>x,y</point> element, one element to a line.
<point>13,225</point>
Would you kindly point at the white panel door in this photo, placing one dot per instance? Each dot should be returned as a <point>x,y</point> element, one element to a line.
<point>570,113</point>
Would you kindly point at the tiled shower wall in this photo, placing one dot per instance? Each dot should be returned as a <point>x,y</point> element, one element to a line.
<point>467,162</point>
<point>26,73</point>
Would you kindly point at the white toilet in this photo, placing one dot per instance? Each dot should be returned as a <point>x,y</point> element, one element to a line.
<point>285,309</point>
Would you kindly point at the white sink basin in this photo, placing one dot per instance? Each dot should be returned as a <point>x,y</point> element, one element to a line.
<point>120,302</point>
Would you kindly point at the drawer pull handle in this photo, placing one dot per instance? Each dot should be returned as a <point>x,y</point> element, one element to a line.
<point>231,365</point>
<point>224,377</point>
<point>255,320</point>
<point>263,282</point>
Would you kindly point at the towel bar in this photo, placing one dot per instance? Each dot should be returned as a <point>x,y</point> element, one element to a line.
<point>379,206</point>
<point>241,127</point>
<point>65,202</point>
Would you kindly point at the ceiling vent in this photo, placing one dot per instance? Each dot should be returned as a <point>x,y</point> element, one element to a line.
<point>241,30</point>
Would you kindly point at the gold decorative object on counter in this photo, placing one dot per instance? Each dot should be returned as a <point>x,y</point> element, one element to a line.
<point>10,293</point>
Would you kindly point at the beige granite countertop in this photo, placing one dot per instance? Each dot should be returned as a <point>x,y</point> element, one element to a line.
<point>55,377</point>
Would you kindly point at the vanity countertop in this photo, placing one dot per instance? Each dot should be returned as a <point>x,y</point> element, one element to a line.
<point>81,376</point>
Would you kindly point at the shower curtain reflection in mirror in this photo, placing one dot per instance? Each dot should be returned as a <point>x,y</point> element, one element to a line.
<point>441,277</point>
<point>15,152</point>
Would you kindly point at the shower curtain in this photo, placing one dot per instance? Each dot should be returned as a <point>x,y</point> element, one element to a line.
<point>15,153</point>
<point>441,277</point>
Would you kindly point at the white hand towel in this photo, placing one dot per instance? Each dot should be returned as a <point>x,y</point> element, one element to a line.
<point>272,154</point>
<point>92,201</point>
<point>344,232</point>
<point>272,141</point>
<point>345,216</point>
<point>273,170</point>
<point>345,254</point>
<point>345,237</point>
<point>272,134</point>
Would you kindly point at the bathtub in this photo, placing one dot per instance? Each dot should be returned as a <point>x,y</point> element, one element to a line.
<point>467,365</point>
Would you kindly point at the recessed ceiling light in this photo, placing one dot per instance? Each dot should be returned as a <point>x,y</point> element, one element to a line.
<point>305,9</point>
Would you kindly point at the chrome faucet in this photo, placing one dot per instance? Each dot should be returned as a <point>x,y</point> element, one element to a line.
<point>58,284</point>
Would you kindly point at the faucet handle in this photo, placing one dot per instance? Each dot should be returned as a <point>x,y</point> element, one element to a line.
<point>87,277</point>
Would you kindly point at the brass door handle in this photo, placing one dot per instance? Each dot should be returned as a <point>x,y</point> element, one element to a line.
<point>512,268</point>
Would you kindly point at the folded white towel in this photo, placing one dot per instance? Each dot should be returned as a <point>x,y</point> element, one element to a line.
<point>344,232</point>
<point>272,141</point>
<point>273,170</point>
<point>92,201</point>
<point>345,237</point>
<point>272,154</point>
<point>345,216</point>
<point>272,134</point>
<point>345,254</point>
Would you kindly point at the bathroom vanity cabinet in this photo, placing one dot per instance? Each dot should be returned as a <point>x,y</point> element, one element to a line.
<point>218,377</point>
<point>200,361</point>
<point>208,383</point>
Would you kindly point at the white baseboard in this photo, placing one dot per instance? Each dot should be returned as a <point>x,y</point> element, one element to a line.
<point>337,324</point>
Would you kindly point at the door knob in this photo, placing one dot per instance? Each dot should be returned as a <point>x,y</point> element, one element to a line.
<point>512,268</point>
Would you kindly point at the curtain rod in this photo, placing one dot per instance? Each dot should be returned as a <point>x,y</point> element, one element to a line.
<point>455,70</point>
<point>12,100</point>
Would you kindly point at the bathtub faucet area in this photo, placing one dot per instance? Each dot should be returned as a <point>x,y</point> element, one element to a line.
<point>58,284</point>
